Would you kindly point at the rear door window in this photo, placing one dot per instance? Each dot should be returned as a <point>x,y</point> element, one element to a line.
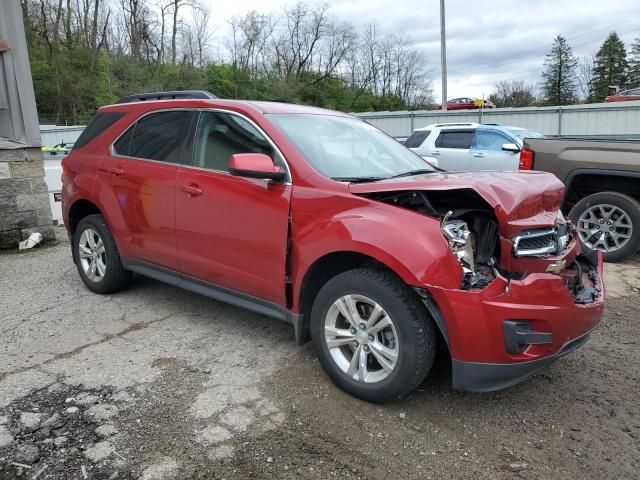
<point>417,138</point>
<point>157,136</point>
<point>455,139</point>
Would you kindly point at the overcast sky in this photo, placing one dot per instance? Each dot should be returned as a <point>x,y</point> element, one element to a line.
<point>487,40</point>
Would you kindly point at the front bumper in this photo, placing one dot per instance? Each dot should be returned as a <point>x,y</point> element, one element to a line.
<point>472,322</point>
<point>487,377</point>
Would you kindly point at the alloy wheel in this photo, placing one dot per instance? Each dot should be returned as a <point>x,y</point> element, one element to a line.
<point>92,254</point>
<point>361,338</point>
<point>605,227</point>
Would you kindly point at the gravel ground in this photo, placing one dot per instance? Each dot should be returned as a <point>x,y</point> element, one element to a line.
<point>158,383</point>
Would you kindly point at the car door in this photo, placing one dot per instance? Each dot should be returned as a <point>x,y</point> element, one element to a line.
<point>232,231</point>
<point>451,148</point>
<point>142,172</point>
<point>487,152</point>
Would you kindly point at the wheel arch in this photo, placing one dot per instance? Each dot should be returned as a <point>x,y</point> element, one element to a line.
<point>80,209</point>
<point>328,266</point>
<point>582,182</point>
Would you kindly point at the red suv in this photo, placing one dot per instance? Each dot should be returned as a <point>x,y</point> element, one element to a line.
<point>319,219</point>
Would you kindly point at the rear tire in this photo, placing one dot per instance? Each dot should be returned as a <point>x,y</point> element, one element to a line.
<point>97,258</point>
<point>591,216</point>
<point>397,356</point>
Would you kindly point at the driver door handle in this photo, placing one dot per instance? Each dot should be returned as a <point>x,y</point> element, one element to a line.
<point>193,190</point>
<point>478,154</point>
<point>435,152</point>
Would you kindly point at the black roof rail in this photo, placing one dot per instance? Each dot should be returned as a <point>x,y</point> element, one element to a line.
<point>171,95</point>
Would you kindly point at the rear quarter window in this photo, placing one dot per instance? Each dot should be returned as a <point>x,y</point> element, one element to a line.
<point>417,138</point>
<point>98,124</point>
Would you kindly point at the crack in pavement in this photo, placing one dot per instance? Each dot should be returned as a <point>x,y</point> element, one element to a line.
<point>105,338</point>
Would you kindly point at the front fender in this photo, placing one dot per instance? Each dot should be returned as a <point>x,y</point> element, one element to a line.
<point>407,242</point>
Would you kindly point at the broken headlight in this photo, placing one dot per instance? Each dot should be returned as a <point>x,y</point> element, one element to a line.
<point>460,239</point>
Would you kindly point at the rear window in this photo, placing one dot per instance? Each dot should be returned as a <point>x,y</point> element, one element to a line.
<point>157,136</point>
<point>416,139</point>
<point>455,139</point>
<point>98,124</point>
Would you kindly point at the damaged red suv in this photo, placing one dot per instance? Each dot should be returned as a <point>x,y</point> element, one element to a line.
<point>319,219</point>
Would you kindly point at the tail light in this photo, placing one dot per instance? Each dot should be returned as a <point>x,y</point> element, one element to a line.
<point>526,159</point>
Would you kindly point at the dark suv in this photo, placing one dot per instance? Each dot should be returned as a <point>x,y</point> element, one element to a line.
<point>317,218</point>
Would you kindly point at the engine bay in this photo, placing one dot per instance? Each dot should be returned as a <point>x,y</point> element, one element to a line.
<point>469,225</point>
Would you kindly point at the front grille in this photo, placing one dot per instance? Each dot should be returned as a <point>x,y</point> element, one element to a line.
<point>535,242</point>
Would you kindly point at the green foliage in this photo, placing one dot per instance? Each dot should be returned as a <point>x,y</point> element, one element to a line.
<point>634,64</point>
<point>559,75</point>
<point>609,68</point>
<point>69,91</point>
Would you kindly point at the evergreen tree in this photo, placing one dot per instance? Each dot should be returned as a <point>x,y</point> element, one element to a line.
<point>559,75</point>
<point>634,64</point>
<point>609,68</point>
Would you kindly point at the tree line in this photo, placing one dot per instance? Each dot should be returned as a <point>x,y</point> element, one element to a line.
<point>567,79</point>
<point>88,53</point>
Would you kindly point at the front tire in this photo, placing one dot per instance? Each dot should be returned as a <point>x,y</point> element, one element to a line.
<point>372,335</point>
<point>608,221</point>
<point>97,258</point>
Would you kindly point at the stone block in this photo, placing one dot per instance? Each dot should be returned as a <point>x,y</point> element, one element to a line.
<point>8,204</point>
<point>13,187</point>
<point>9,239</point>
<point>33,155</point>
<point>32,169</point>
<point>48,233</point>
<point>44,215</point>
<point>13,155</point>
<point>38,185</point>
<point>5,170</point>
<point>18,220</point>
<point>32,201</point>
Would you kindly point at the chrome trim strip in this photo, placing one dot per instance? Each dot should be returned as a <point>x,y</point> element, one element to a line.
<point>552,248</point>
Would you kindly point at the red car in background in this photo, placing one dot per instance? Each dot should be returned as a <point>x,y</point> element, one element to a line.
<point>466,103</point>
<point>626,96</point>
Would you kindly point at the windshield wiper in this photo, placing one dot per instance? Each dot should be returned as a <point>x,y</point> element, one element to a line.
<point>358,179</point>
<point>413,172</point>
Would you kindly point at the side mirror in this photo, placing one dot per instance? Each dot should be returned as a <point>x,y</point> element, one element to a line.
<point>510,147</point>
<point>255,165</point>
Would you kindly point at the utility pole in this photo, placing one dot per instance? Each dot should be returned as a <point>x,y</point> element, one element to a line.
<point>443,56</point>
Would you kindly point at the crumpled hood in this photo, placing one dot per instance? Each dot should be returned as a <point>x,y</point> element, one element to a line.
<point>521,200</point>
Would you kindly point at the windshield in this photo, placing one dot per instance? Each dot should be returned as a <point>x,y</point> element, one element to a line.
<point>347,149</point>
<point>521,133</point>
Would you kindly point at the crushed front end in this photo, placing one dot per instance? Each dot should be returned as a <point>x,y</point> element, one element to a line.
<point>526,294</point>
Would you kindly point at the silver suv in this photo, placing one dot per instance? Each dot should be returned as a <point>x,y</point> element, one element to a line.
<point>470,146</point>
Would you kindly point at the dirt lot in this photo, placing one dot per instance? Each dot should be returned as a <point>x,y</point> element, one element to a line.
<point>158,383</point>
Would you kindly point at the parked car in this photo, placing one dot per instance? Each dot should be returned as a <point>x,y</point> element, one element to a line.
<point>318,218</point>
<point>466,103</point>
<point>632,95</point>
<point>470,146</point>
<point>602,196</point>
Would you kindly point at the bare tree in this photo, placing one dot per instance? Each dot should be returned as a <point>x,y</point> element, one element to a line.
<point>584,76</point>
<point>513,93</point>
<point>176,5</point>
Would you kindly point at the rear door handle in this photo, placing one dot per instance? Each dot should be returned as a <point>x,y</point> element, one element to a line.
<point>193,189</point>
<point>435,152</point>
<point>478,154</point>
